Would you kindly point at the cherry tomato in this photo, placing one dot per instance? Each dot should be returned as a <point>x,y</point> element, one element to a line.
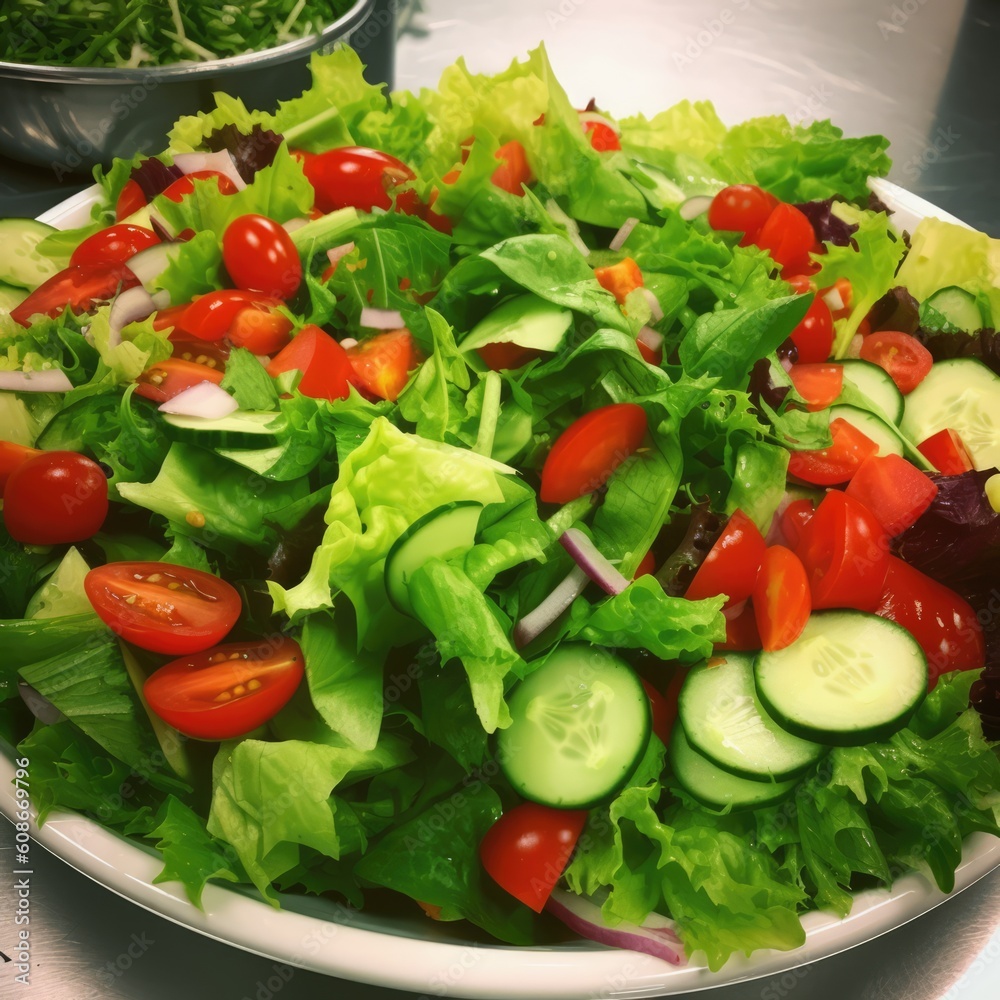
<point>55,497</point>
<point>740,208</point>
<point>129,201</point>
<point>647,565</point>
<point>590,449</point>
<point>801,283</point>
<point>214,353</point>
<point>793,519</point>
<point>780,598</point>
<point>652,356</point>
<point>894,490</point>
<point>818,384</point>
<point>836,464</point>
<point>162,607</point>
<point>261,257</point>
<point>210,316</point>
<point>166,319</point>
<point>355,176</point>
<point>946,451</point>
<point>260,330</point>
<point>663,707</point>
<point>326,369</point>
<point>741,629</point>
<point>513,172</point>
<point>905,359</point>
<point>167,378</point>
<point>228,690</point>
<point>620,278</point>
<point>382,364</point>
<point>184,186</point>
<point>76,288</point>
<point>814,335</point>
<point>942,622</point>
<point>505,357</point>
<point>114,245</point>
<point>527,848</point>
<point>845,552</point>
<point>602,137</point>
<point>11,456</point>
<point>843,288</point>
<point>787,236</point>
<point>732,563</point>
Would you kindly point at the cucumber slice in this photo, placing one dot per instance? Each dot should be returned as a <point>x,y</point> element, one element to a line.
<point>850,678</point>
<point>724,721</point>
<point>244,429</point>
<point>528,321</point>
<point>877,388</point>
<point>20,262</point>
<point>961,394</point>
<point>716,788</point>
<point>444,532</point>
<point>883,434</point>
<point>10,297</point>
<point>580,724</point>
<point>957,307</point>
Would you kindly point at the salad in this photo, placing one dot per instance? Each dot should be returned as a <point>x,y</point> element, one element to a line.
<point>562,523</point>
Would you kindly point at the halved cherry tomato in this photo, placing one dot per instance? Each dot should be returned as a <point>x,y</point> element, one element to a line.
<point>836,464</point>
<point>620,278</point>
<point>845,552</point>
<point>942,622</point>
<point>11,456</point>
<point>184,186</point>
<point>163,607</point>
<point>76,288</point>
<point>801,283</point>
<point>210,316</point>
<point>228,690</point>
<point>214,353</point>
<point>114,245</point>
<point>780,598</point>
<point>905,359</point>
<point>740,208</point>
<point>326,369</point>
<point>167,378</point>
<point>590,449</point>
<point>382,364</point>
<point>732,563</point>
<point>129,201</point>
<point>602,137</point>
<point>527,848</point>
<point>260,256</point>
<point>504,357</point>
<point>894,490</point>
<point>260,330</point>
<point>664,706</point>
<point>819,385</point>
<point>793,519</point>
<point>513,171</point>
<point>55,497</point>
<point>165,319</point>
<point>647,565</point>
<point>787,235</point>
<point>741,629</point>
<point>814,335</point>
<point>946,451</point>
<point>355,176</point>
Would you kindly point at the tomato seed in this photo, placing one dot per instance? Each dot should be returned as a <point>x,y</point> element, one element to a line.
<point>195,518</point>
<point>223,696</point>
<point>173,586</point>
<point>239,690</point>
<point>217,658</point>
<point>131,599</point>
<point>234,656</point>
<point>254,685</point>
<point>154,578</point>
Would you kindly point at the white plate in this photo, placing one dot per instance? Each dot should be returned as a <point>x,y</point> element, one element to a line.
<point>326,937</point>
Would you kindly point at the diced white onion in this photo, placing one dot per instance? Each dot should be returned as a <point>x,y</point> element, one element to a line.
<point>381,319</point>
<point>834,299</point>
<point>348,342</point>
<point>51,380</point>
<point>655,309</point>
<point>650,337</point>
<point>569,223</point>
<point>222,161</point>
<point>854,348</point>
<point>206,399</point>
<point>594,116</point>
<point>695,206</point>
<point>537,621</point>
<point>618,240</point>
<point>335,253</point>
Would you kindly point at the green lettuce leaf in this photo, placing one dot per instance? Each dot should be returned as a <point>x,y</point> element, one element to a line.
<point>248,382</point>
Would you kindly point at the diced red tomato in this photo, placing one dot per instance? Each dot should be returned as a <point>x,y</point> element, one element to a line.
<point>652,356</point>
<point>894,490</point>
<point>184,186</point>
<point>818,384</point>
<point>647,565</point>
<point>129,201</point>
<point>732,563</point>
<point>787,236</point>
<point>527,848</point>
<point>76,288</point>
<point>836,464</point>
<point>741,208</point>
<point>326,369</point>
<point>11,456</point>
<point>382,364</point>
<point>513,171</point>
<point>793,519</point>
<point>741,629</point>
<point>844,551</point>
<point>781,602</point>
<point>355,176</point>
<point>590,449</point>
<point>505,357</point>
<point>843,288</point>
<point>946,451</point>
<point>813,337</point>
<point>905,359</point>
<point>942,622</point>
<point>620,279</point>
<point>664,706</point>
<point>801,283</point>
<point>260,330</point>
<point>167,378</point>
<point>114,245</point>
<point>210,316</point>
<point>602,137</point>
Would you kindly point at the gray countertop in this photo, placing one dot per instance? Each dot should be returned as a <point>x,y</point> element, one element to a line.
<point>920,71</point>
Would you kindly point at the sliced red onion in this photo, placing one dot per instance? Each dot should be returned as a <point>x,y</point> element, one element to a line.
<point>650,337</point>
<point>51,380</point>
<point>130,306</point>
<point>588,557</point>
<point>786,362</point>
<point>381,319</point>
<point>655,936</point>
<point>695,206</point>
<point>537,621</point>
<point>147,265</point>
<point>205,399</point>
<point>40,706</point>
<point>834,299</point>
<point>655,309</point>
<point>335,253</point>
<point>593,116</point>
<point>190,163</point>
<point>618,240</point>
<point>292,224</point>
<point>348,342</point>
<point>161,227</point>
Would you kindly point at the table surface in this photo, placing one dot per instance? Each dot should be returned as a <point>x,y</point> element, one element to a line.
<point>913,69</point>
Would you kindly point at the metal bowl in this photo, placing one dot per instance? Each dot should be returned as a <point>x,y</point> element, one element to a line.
<point>68,119</point>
